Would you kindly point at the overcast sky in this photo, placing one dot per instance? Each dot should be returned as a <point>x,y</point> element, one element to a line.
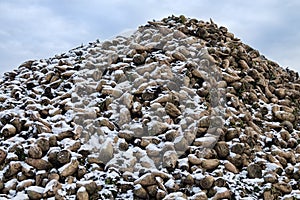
<point>34,29</point>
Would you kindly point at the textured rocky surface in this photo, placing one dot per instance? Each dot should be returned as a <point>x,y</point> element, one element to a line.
<point>180,109</point>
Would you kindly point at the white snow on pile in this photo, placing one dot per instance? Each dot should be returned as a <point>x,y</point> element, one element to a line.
<point>37,189</point>
<point>20,196</point>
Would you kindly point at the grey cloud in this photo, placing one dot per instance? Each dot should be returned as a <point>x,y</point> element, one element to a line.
<point>32,32</point>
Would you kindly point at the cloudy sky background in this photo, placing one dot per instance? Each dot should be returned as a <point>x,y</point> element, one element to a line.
<point>34,29</point>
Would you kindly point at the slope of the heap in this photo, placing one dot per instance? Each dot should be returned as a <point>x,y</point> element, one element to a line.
<point>42,143</point>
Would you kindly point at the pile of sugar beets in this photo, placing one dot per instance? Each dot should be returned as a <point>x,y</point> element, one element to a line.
<point>179,109</point>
